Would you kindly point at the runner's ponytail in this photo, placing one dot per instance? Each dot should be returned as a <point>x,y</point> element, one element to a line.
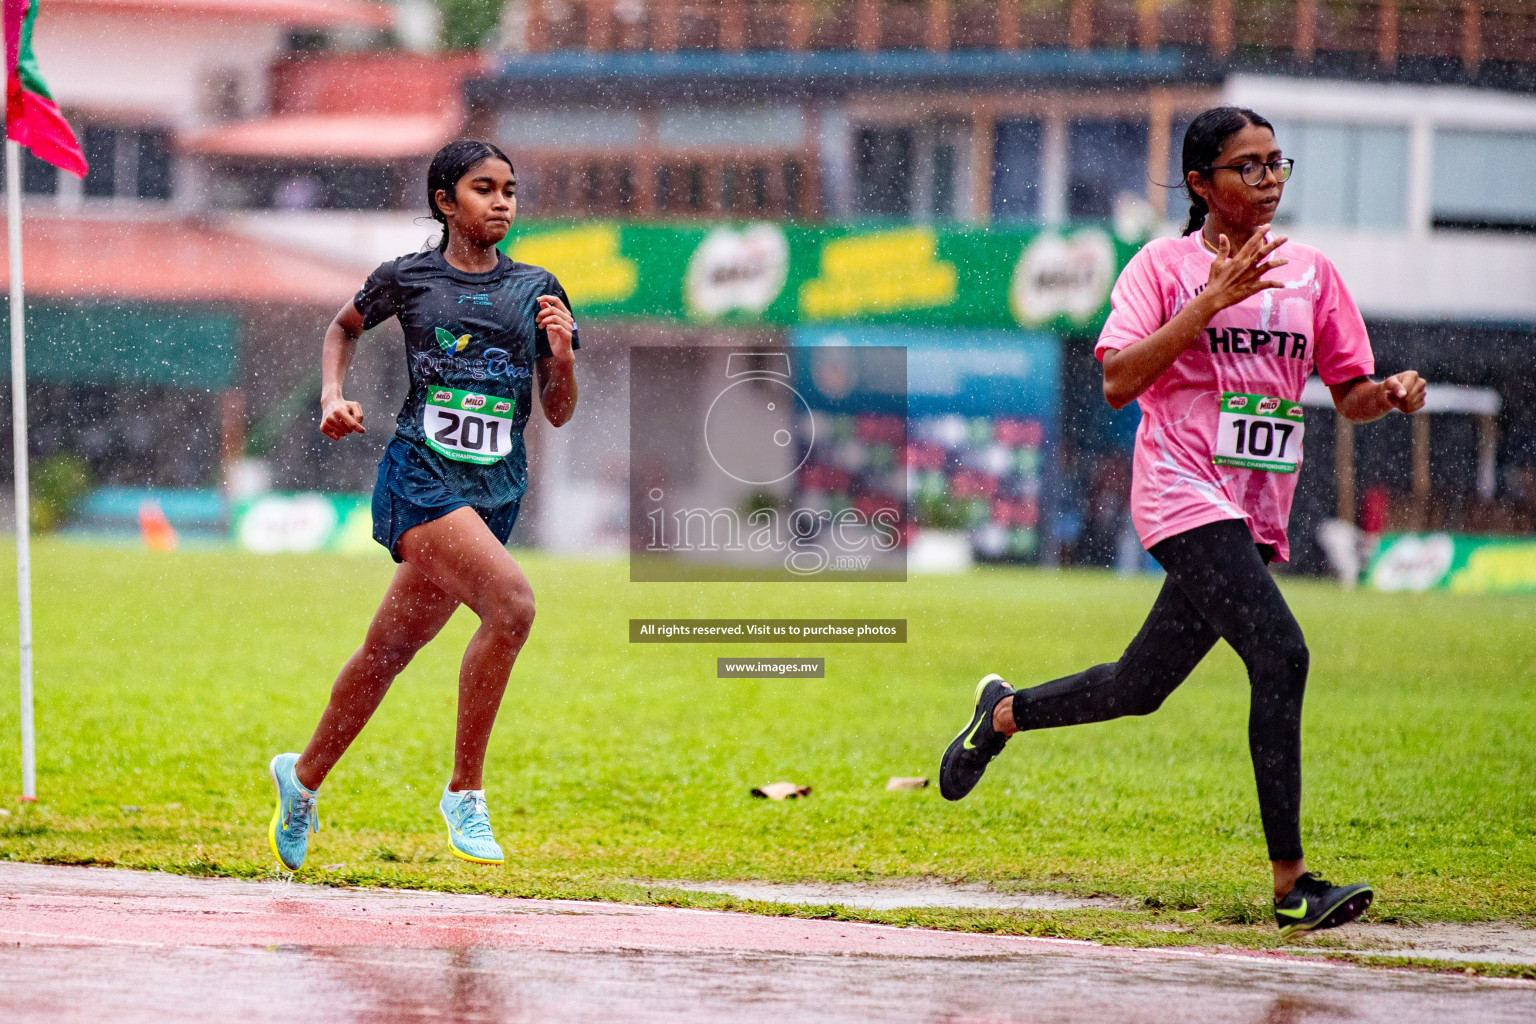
<point>450,164</point>
<point>1203,142</point>
<point>1197,212</point>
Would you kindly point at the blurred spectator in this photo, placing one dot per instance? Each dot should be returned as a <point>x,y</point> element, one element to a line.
<point>300,192</point>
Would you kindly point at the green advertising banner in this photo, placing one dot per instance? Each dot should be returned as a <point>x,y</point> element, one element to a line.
<point>302,523</point>
<point>1459,563</point>
<point>790,274</point>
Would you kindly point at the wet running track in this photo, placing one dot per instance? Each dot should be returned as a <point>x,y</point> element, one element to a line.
<point>92,945</point>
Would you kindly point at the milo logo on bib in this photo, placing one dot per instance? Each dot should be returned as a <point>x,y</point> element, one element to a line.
<point>457,426</point>
<point>1259,432</point>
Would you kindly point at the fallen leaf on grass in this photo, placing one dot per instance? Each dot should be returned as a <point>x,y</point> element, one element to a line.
<point>782,791</point>
<point>907,782</point>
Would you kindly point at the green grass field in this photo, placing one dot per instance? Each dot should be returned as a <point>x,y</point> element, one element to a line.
<point>166,682</point>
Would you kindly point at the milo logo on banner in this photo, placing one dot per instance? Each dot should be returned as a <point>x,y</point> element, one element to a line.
<point>1060,276</point>
<point>735,271</point>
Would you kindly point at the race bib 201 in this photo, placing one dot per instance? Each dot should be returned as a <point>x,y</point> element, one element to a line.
<point>468,427</point>
<point>1259,432</point>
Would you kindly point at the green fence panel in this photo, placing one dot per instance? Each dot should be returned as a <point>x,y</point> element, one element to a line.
<point>115,343</point>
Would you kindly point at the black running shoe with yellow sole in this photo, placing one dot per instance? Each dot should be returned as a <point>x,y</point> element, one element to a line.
<point>1315,904</point>
<point>966,759</point>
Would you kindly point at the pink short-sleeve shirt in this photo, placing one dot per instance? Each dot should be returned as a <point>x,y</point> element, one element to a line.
<point>1268,345</point>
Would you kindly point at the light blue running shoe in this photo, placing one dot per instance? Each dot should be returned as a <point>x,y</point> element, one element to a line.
<point>469,826</point>
<point>295,817</point>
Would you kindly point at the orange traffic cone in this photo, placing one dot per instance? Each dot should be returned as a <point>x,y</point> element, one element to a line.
<point>155,529</point>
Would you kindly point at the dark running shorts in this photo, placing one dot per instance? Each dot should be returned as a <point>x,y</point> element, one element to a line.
<point>406,495</point>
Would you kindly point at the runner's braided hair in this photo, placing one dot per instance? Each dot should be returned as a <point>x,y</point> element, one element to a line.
<point>450,164</point>
<point>1203,142</point>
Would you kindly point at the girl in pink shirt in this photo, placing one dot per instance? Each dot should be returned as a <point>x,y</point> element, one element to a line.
<point>1214,334</point>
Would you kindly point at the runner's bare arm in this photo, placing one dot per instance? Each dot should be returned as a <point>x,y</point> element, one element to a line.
<point>339,417</point>
<point>1234,277</point>
<point>557,371</point>
<point>1362,400</point>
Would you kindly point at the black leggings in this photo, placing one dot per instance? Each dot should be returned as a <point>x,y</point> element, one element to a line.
<point>1217,587</point>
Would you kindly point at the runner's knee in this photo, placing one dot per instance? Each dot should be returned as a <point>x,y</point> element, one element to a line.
<point>1292,654</point>
<point>510,614</point>
<point>1282,661</point>
<point>1288,648</point>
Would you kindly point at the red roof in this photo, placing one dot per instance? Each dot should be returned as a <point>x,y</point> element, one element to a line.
<point>302,13</point>
<point>327,137</point>
<point>372,83</point>
<point>367,106</point>
<point>170,260</point>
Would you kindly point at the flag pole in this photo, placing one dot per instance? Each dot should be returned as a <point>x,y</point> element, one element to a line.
<point>19,448</point>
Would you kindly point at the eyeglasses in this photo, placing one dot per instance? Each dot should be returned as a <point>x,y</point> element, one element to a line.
<point>1253,170</point>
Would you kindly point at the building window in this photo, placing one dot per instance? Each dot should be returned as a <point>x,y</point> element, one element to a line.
<point>100,145</point>
<point>1346,175</point>
<point>942,194</point>
<point>357,187</point>
<point>681,186</point>
<point>1105,159</point>
<point>241,185</point>
<point>127,163</point>
<point>795,184</point>
<point>593,177</point>
<point>154,160</point>
<point>1483,180</point>
<point>745,190</point>
<point>1016,167</point>
<point>38,177</point>
<point>883,164</point>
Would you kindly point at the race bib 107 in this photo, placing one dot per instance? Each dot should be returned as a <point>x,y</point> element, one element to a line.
<point>466,426</point>
<point>1259,432</point>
